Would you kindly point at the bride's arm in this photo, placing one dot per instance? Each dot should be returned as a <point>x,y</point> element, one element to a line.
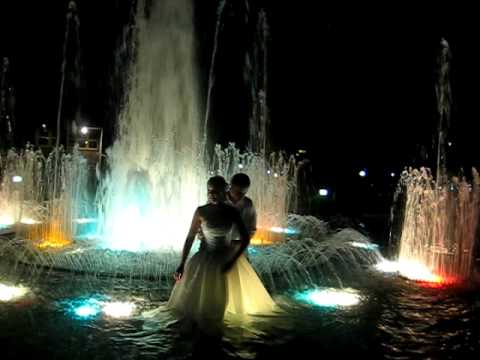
<point>195,225</point>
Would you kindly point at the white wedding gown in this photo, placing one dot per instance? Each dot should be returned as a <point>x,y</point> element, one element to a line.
<point>206,295</point>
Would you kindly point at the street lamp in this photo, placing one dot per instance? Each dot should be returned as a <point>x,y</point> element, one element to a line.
<point>323,192</point>
<point>92,130</point>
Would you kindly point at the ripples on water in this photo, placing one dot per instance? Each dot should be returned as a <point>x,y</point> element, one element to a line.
<point>396,319</point>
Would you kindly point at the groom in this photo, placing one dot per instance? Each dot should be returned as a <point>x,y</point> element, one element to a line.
<point>239,185</point>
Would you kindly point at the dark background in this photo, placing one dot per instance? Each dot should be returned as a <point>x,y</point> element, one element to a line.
<point>354,87</point>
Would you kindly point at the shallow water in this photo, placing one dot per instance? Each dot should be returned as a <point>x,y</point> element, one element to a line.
<point>396,319</point>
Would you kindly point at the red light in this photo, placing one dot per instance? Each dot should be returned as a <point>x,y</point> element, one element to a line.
<point>437,282</point>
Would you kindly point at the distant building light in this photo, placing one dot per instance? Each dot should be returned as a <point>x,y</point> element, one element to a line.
<point>301,151</point>
<point>449,143</point>
<point>17,179</point>
<point>392,174</point>
<point>44,126</point>
<point>362,173</point>
<point>323,192</point>
<point>84,130</point>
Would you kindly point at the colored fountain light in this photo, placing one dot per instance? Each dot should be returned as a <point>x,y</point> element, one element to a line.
<point>414,270</point>
<point>11,293</point>
<point>270,234</point>
<point>87,309</point>
<point>119,309</point>
<point>49,236</point>
<point>439,227</point>
<point>330,297</point>
<point>83,308</point>
<point>418,271</point>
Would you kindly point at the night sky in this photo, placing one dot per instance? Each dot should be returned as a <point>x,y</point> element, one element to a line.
<point>354,87</point>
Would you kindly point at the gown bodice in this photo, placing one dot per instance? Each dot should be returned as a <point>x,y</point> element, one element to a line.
<point>216,238</point>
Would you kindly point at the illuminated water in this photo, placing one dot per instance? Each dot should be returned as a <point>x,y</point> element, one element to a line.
<point>309,251</point>
<point>440,213</point>
<point>157,174</point>
<point>394,319</point>
<point>335,303</point>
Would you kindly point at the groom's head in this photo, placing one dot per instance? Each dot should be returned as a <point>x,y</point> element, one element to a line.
<point>239,185</point>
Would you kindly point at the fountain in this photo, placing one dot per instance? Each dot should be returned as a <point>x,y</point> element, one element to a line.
<point>20,188</point>
<point>440,215</point>
<point>162,151</point>
<point>299,254</point>
<point>156,175</point>
<point>26,192</point>
<point>157,169</point>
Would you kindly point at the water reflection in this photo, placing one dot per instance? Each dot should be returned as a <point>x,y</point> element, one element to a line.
<point>396,318</point>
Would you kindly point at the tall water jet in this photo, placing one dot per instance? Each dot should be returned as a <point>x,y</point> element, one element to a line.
<point>441,214</point>
<point>444,99</point>
<point>7,107</point>
<point>211,72</point>
<point>257,72</point>
<point>72,25</point>
<point>156,174</point>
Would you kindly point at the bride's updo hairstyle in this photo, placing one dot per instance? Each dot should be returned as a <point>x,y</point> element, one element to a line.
<point>218,182</point>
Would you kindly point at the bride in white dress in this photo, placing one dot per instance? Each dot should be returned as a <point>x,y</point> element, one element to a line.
<point>202,292</point>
